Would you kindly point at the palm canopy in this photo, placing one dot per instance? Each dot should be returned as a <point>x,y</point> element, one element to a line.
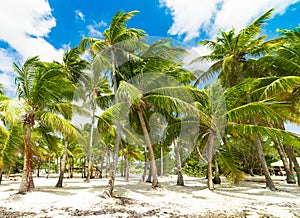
<point>74,65</point>
<point>231,51</point>
<point>118,45</point>
<point>45,90</point>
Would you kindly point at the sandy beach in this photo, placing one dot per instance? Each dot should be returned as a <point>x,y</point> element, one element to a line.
<point>138,199</point>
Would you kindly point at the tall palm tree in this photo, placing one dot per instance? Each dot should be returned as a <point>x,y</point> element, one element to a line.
<point>118,45</point>
<point>230,53</point>
<point>148,92</point>
<point>42,87</point>
<point>98,95</point>
<point>74,67</point>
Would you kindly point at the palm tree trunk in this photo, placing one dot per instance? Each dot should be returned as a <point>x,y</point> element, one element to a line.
<point>149,175</point>
<point>211,145</point>
<point>27,180</point>
<point>148,142</point>
<point>289,175</point>
<point>110,187</point>
<point>180,181</point>
<point>126,168</point>
<point>145,164</point>
<point>293,159</point>
<point>63,164</point>
<point>265,169</point>
<point>216,179</point>
<point>1,173</point>
<point>91,144</point>
<point>49,166</point>
<point>122,165</point>
<point>108,192</point>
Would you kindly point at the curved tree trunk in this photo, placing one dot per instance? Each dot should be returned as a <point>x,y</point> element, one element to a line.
<point>293,159</point>
<point>148,142</point>
<point>289,175</point>
<point>261,156</point>
<point>63,164</point>
<point>211,143</point>
<point>180,181</point>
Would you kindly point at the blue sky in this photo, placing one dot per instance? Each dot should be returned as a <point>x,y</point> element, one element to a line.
<point>46,28</point>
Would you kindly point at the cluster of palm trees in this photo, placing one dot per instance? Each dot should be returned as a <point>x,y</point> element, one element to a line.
<point>140,96</point>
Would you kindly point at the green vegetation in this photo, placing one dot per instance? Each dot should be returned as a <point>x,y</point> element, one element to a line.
<point>145,108</point>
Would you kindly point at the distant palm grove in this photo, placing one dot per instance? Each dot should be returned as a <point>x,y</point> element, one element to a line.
<point>147,110</point>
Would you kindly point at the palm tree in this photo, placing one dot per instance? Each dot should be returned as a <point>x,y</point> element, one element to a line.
<point>146,93</point>
<point>230,53</point>
<point>119,43</point>
<point>37,86</point>
<point>98,94</point>
<point>74,67</point>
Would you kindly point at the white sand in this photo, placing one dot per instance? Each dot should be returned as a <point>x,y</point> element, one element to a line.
<point>137,199</point>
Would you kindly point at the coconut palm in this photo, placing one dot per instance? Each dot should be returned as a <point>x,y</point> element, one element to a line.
<point>230,53</point>
<point>117,47</point>
<point>147,92</point>
<point>74,67</point>
<point>42,87</point>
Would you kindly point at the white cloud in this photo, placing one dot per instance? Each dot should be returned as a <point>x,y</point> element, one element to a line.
<point>25,25</point>
<point>94,29</point>
<point>190,17</point>
<point>7,57</point>
<point>79,15</point>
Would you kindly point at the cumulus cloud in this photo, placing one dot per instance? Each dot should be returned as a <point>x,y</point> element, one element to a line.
<point>25,28</point>
<point>190,17</point>
<point>94,29</point>
<point>7,57</point>
<point>79,15</point>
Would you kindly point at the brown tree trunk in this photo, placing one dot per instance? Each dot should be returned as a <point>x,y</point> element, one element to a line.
<point>126,168</point>
<point>180,181</point>
<point>216,179</point>
<point>261,156</point>
<point>63,164</point>
<point>145,164</point>
<point>27,179</point>
<point>148,142</point>
<point>49,166</point>
<point>1,173</point>
<point>83,168</point>
<point>71,164</point>
<point>211,144</point>
<point>293,159</point>
<point>289,175</point>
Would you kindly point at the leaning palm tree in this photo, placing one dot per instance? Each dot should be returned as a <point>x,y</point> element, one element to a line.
<point>118,45</point>
<point>230,53</point>
<point>153,92</point>
<point>41,87</point>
